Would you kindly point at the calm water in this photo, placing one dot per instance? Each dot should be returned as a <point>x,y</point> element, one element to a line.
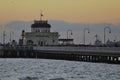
<point>43,69</point>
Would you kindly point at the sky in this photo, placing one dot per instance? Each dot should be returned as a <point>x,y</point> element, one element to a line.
<point>71,11</point>
<point>74,11</point>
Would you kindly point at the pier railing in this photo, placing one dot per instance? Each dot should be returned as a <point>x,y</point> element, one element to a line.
<point>79,49</point>
<point>16,48</point>
<point>65,48</point>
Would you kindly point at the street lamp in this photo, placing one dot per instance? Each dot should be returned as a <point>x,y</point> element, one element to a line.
<point>11,32</point>
<point>68,35</point>
<point>105,32</point>
<point>86,29</point>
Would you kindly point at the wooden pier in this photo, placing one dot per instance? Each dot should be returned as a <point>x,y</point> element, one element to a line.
<point>74,53</point>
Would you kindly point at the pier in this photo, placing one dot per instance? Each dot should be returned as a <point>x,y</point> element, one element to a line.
<point>73,53</point>
<point>40,42</point>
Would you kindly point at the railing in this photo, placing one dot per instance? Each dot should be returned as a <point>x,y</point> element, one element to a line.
<point>64,48</point>
<point>79,49</point>
<point>16,47</point>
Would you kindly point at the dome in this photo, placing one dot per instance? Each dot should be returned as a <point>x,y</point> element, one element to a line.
<point>40,24</point>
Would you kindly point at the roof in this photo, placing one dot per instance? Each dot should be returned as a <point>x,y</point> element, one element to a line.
<point>40,24</point>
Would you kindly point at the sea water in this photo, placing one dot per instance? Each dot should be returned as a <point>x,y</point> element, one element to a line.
<point>46,69</point>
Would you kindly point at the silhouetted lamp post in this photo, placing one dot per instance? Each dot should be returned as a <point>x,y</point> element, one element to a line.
<point>68,33</point>
<point>86,29</point>
<point>105,32</point>
<point>11,36</point>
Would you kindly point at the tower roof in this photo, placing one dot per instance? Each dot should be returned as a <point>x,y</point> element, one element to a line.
<point>40,24</point>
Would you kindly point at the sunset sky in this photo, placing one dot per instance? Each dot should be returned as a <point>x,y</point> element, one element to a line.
<point>78,11</point>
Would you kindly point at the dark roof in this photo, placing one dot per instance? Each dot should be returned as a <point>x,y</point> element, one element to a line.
<point>40,24</point>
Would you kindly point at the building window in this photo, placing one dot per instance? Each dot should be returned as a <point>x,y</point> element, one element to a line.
<point>29,42</point>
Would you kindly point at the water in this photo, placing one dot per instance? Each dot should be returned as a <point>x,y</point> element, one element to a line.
<point>45,69</point>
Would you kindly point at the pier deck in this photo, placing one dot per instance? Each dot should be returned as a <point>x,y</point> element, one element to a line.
<point>76,53</point>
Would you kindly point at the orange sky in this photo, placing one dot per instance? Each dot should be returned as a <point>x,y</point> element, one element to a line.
<point>80,11</point>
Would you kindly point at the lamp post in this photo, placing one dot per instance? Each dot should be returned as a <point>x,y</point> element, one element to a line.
<point>11,36</point>
<point>86,29</point>
<point>69,30</point>
<point>105,32</point>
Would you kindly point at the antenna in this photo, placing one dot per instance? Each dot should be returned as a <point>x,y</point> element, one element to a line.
<point>41,15</point>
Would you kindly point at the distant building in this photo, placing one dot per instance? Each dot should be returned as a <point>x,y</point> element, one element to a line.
<point>110,43</point>
<point>66,41</point>
<point>40,35</point>
<point>98,42</point>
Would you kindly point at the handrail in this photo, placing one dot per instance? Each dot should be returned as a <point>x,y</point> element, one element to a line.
<point>69,48</point>
<point>62,48</point>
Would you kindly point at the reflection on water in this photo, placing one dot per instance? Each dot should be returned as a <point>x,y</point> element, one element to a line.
<point>42,69</point>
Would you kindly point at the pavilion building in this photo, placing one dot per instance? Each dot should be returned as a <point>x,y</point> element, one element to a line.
<point>40,34</point>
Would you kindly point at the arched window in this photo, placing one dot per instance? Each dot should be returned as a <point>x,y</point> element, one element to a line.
<point>29,42</point>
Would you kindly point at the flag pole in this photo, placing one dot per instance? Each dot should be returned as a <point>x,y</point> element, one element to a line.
<point>41,16</point>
